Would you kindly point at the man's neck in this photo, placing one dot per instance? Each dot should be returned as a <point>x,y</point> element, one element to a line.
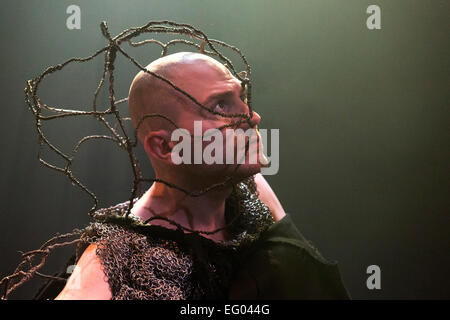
<point>205,212</point>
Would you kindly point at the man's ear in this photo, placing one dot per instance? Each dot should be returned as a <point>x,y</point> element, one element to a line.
<point>157,145</point>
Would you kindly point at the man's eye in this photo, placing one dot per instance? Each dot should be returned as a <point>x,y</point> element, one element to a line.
<point>220,106</point>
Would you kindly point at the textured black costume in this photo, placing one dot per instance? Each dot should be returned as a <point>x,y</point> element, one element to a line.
<point>264,260</point>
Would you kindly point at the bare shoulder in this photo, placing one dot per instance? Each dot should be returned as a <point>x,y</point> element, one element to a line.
<point>87,281</point>
<point>269,197</point>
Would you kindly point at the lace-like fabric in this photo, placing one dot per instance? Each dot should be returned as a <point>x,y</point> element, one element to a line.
<point>144,261</point>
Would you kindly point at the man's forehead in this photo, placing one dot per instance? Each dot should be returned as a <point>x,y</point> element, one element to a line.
<point>197,74</point>
<point>204,75</point>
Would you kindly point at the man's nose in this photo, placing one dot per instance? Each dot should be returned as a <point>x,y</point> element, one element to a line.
<point>255,119</point>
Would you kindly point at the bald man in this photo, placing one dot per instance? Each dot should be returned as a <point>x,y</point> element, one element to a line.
<point>264,257</point>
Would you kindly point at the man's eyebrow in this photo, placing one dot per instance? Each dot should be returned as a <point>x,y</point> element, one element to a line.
<point>223,94</point>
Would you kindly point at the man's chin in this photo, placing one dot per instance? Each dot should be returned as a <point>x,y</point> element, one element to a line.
<point>245,171</point>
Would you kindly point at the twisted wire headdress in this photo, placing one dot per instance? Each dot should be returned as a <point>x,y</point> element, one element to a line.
<point>44,113</point>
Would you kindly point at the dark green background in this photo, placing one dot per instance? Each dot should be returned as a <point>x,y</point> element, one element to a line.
<point>363,118</point>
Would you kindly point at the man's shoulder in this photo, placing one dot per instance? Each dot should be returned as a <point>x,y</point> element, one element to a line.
<point>285,236</point>
<point>87,280</point>
<point>288,264</point>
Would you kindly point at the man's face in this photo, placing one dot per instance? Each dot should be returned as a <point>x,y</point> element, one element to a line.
<point>211,84</point>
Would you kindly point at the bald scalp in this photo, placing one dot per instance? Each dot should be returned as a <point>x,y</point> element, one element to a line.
<point>150,95</point>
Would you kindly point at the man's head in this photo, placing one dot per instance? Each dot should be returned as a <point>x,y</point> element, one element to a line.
<point>211,84</point>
